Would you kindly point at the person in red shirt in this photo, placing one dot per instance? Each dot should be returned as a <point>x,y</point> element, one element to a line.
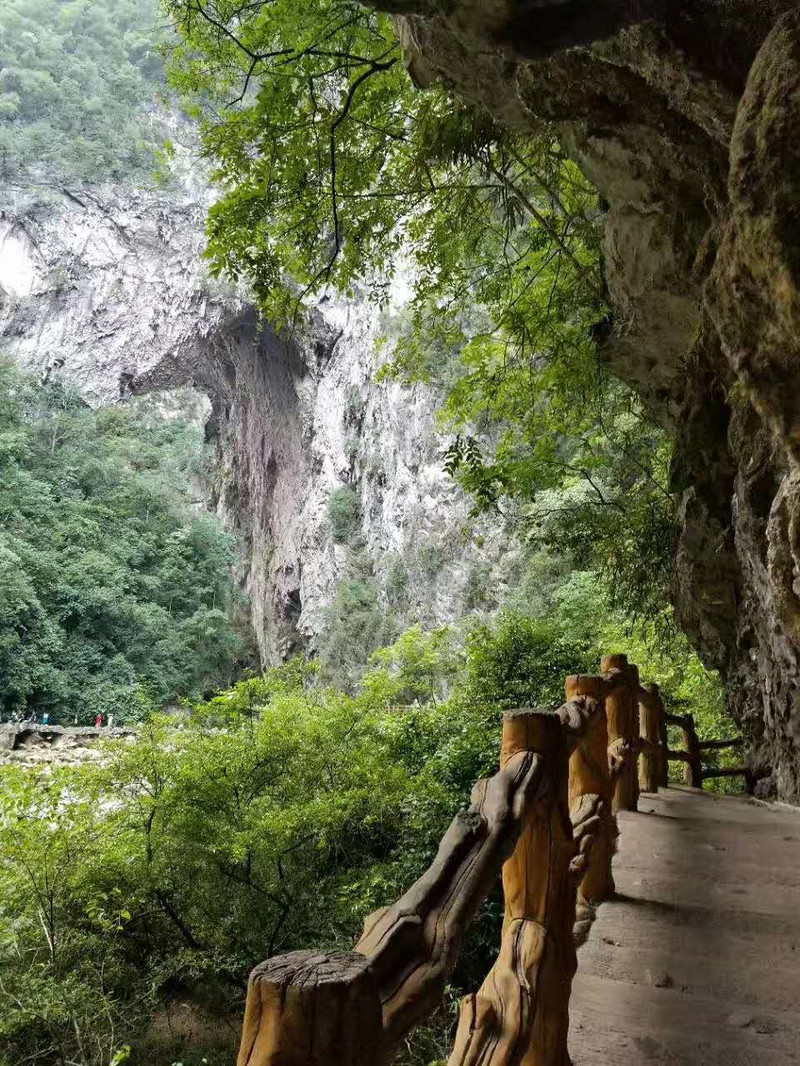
<point>98,720</point>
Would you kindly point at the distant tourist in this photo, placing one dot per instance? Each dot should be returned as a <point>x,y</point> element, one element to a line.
<point>98,720</point>
<point>46,718</point>
<point>110,721</point>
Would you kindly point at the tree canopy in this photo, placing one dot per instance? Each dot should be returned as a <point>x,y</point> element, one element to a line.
<point>115,592</point>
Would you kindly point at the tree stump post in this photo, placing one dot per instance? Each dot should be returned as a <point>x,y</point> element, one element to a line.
<point>652,756</point>
<point>589,776</point>
<point>623,732</point>
<point>312,1008</point>
<point>693,767</point>
<point>520,1014</point>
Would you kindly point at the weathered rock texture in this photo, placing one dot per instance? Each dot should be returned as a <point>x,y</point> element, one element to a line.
<point>687,118</point>
<point>106,289</point>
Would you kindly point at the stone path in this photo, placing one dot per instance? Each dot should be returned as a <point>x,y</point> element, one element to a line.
<point>697,962</point>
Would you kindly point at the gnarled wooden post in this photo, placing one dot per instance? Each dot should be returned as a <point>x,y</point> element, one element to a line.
<point>623,732</point>
<point>520,1014</point>
<point>313,1008</point>
<point>589,776</point>
<point>414,944</point>
<point>692,766</point>
<point>652,757</point>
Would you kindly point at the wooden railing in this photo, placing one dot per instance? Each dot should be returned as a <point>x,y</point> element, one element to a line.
<point>696,768</point>
<point>547,820</point>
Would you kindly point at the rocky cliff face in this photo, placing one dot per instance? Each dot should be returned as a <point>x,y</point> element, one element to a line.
<point>106,289</point>
<point>687,118</point>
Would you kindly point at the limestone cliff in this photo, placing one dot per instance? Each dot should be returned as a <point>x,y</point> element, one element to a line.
<point>106,288</point>
<point>687,118</point>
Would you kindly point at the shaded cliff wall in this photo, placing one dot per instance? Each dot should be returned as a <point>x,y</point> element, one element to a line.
<point>687,118</point>
<point>106,289</point>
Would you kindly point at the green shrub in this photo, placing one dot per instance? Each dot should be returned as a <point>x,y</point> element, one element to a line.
<point>356,624</point>
<point>522,662</point>
<point>397,582</point>
<point>431,557</point>
<point>354,406</point>
<point>309,809</point>
<point>477,591</point>
<point>344,513</point>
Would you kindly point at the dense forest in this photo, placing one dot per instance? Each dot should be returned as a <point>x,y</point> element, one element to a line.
<point>79,85</point>
<point>115,591</point>
<point>272,811</point>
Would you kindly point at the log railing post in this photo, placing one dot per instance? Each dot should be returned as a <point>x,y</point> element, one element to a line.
<point>589,776</point>
<point>520,1014</point>
<point>663,738</point>
<point>623,732</point>
<point>652,757</point>
<point>693,766</point>
<point>312,1008</point>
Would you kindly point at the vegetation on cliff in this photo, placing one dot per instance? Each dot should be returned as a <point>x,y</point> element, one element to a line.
<point>78,82</point>
<point>115,590</point>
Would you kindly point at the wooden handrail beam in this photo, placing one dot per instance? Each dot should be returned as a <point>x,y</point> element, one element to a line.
<point>681,720</point>
<point>678,756</point>
<point>600,685</point>
<point>719,745</point>
<point>414,944</point>
<point>726,771</point>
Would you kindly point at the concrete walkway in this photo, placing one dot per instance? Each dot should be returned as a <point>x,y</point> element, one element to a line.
<point>697,962</point>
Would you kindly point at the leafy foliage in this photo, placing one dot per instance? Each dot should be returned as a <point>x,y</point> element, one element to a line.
<point>522,662</point>
<point>330,162</point>
<point>307,809</point>
<point>114,592</point>
<point>77,88</point>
